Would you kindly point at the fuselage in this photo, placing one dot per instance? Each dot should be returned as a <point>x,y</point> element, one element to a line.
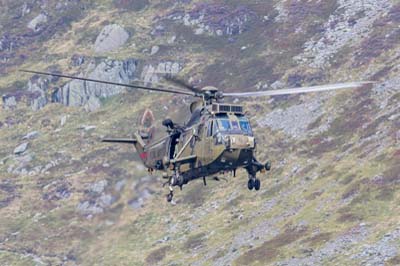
<point>216,139</point>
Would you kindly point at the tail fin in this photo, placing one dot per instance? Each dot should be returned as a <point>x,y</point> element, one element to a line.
<point>139,145</point>
<point>146,127</point>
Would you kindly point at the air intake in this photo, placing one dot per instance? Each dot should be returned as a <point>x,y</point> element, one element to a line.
<point>227,108</point>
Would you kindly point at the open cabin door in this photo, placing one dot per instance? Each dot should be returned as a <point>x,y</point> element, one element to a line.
<point>173,146</point>
<point>207,141</point>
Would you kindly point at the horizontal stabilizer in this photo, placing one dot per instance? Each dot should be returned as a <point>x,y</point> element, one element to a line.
<point>126,141</point>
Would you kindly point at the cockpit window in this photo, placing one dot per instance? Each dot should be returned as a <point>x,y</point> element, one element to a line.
<point>235,125</point>
<point>210,128</point>
<point>245,125</point>
<point>215,127</point>
<point>224,125</point>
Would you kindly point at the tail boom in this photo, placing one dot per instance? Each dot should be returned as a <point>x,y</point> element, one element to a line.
<point>137,142</point>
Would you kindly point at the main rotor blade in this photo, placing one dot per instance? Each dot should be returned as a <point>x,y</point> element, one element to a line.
<point>182,84</point>
<point>338,86</point>
<point>109,82</point>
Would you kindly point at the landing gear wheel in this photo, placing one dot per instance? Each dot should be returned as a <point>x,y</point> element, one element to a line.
<point>257,184</point>
<point>268,166</point>
<point>170,196</point>
<point>250,184</point>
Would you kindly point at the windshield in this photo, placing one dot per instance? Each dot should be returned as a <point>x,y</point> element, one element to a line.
<point>224,125</point>
<point>231,126</point>
<point>245,125</point>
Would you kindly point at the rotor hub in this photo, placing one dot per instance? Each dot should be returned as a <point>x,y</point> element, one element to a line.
<point>210,89</point>
<point>212,93</point>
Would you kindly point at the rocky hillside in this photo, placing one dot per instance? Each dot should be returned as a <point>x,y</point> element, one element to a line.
<point>332,197</point>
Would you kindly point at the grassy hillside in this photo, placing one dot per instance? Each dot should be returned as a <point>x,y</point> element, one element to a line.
<point>331,198</point>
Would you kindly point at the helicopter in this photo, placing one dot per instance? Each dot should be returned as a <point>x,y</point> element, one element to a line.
<point>217,138</point>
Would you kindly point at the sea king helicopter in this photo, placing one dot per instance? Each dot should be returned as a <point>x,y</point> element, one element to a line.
<point>218,137</point>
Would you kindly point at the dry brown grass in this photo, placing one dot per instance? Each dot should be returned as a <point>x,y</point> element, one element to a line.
<point>269,250</point>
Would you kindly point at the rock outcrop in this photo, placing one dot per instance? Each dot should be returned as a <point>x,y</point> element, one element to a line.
<point>215,19</point>
<point>97,201</point>
<point>110,38</point>
<point>151,73</point>
<point>9,102</point>
<point>38,88</point>
<point>344,28</point>
<point>6,43</point>
<point>88,94</point>
<point>294,121</point>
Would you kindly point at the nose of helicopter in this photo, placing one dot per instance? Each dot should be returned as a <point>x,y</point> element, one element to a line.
<point>238,151</point>
<point>234,158</point>
<point>240,142</point>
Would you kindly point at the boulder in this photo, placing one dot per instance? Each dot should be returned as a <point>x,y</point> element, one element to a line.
<point>171,40</point>
<point>110,38</point>
<point>98,187</point>
<point>120,185</point>
<point>89,208</point>
<point>26,9</point>
<point>105,200</point>
<point>9,102</point>
<point>87,128</point>
<point>35,23</point>
<point>57,190</point>
<point>77,60</point>
<point>154,50</point>
<point>31,135</point>
<point>21,148</point>
<point>7,43</point>
<point>63,120</point>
